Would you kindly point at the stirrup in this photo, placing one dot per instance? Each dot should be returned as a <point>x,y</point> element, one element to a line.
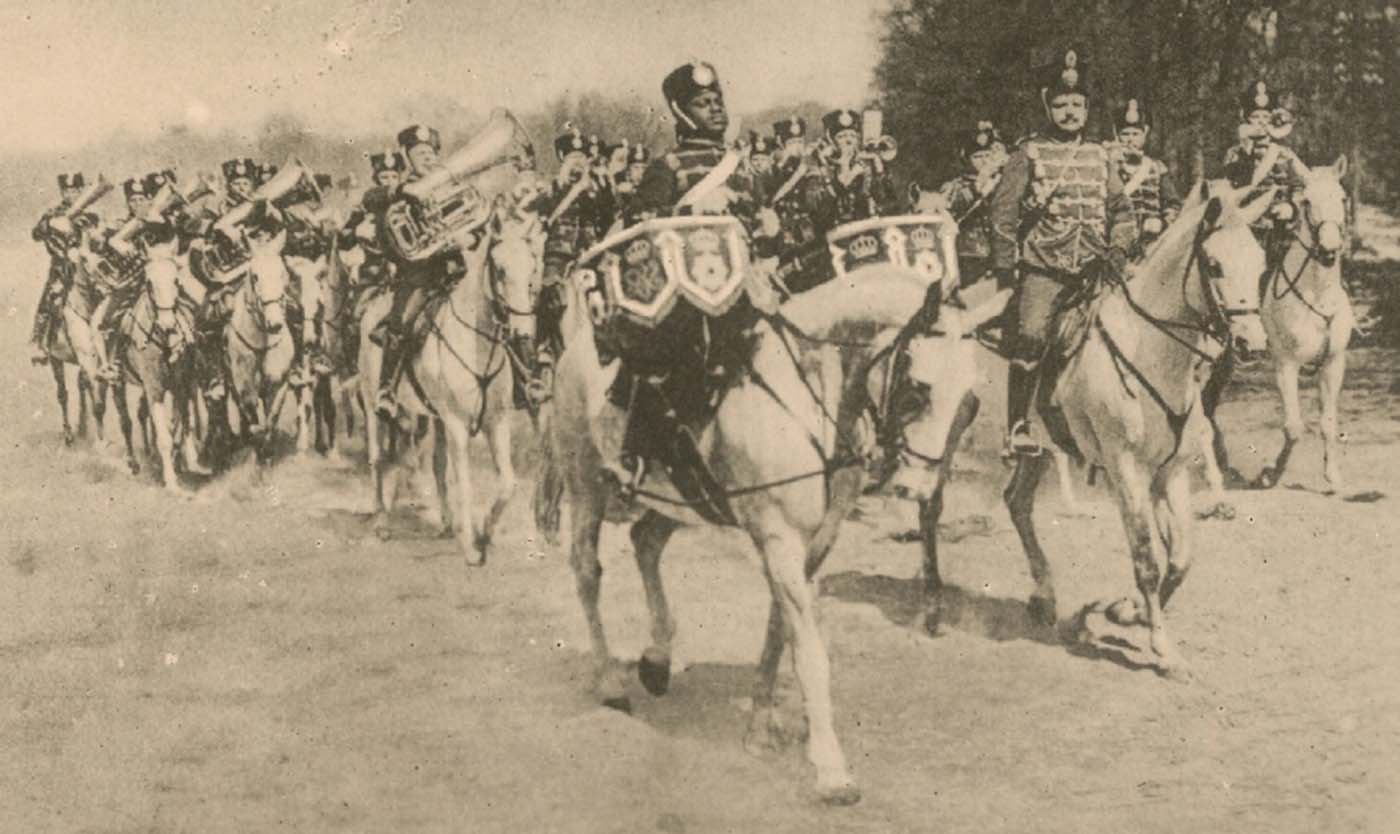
<point>1020,442</point>
<point>628,473</point>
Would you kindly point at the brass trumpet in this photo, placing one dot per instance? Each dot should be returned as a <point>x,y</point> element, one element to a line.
<point>90,195</point>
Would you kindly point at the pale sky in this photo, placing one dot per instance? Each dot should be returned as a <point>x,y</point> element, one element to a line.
<point>73,71</point>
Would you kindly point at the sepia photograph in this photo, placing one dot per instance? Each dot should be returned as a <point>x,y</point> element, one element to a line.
<point>1011,386</point>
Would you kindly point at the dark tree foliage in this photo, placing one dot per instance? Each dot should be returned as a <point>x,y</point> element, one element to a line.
<point>947,63</point>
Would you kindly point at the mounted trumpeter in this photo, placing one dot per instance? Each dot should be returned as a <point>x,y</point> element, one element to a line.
<point>441,209</point>
<point>62,230</point>
<point>983,154</point>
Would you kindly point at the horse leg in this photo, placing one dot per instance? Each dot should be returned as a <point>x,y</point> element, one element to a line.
<point>498,442</point>
<point>143,417</point>
<point>1173,508</point>
<point>1329,391</point>
<point>1207,434</point>
<point>61,383</point>
<point>124,420</point>
<point>458,449</point>
<point>1020,501</point>
<point>162,414</point>
<point>1064,469</point>
<point>190,434</point>
<point>586,522</point>
<point>784,560</point>
<point>1139,500</point>
<point>1293,428</point>
<point>84,399</point>
<point>98,393</point>
<point>649,536</point>
<point>930,511</point>
<point>441,459</point>
<point>1212,393</point>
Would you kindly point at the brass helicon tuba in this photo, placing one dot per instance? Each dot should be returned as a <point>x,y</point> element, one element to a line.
<point>457,197</point>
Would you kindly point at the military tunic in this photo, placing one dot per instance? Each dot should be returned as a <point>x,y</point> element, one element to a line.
<point>968,205</point>
<point>1149,185</point>
<point>1057,211</point>
<point>689,349</point>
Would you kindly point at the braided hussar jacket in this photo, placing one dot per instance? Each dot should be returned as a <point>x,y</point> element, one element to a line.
<point>1058,208</point>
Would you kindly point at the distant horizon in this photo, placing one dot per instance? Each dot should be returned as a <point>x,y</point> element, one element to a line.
<point>356,67</point>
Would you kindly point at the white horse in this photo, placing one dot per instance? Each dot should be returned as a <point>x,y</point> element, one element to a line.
<point>1127,400</point>
<point>461,377</point>
<point>769,449</point>
<point>1309,318</point>
<point>258,344</point>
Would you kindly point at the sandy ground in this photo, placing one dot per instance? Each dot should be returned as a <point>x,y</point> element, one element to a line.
<point>255,659</point>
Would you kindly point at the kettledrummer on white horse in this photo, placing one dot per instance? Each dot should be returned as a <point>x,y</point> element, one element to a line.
<point>695,354</point>
<point>1059,218</point>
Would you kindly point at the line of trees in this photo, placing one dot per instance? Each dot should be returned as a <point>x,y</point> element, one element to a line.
<point>947,63</point>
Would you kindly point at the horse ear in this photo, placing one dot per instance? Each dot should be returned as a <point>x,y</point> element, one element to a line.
<point>1340,166</point>
<point>1213,209</point>
<point>1205,190</point>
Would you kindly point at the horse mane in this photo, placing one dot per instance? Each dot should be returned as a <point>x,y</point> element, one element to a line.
<point>875,296</point>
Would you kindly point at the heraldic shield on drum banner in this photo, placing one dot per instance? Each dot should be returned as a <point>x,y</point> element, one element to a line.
<point>646,268</point>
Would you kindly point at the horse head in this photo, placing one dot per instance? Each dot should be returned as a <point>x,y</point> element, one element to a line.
<point>267,284</point>
<point>942,372</point>
<point>1215,223</point>
<point>1324,206</point>
<point>163,286</point>
<point>517,246</point>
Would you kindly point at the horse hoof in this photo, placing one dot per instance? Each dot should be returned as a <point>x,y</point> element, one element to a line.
<point>1042,610</point>
<point>381,531</point>
<point>839,795</point>
<point>1126,613</point>
<point>1267,479</point>
<point>67,438</point>
<point>654,671</point>
<point>134,467</point>
<point>621,703</point>
<point>933,621</point>
<point>447,532</point>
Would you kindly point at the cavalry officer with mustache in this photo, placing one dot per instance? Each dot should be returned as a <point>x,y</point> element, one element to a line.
<point>1059,219</point>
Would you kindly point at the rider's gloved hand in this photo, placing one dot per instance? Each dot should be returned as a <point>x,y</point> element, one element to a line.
<point>1117,259</point>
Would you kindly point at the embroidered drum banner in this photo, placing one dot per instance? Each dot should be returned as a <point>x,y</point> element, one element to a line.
<point>644,269</point>
<point>925,243</point>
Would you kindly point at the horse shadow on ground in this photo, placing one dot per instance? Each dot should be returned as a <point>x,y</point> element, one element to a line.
<point>901,602</point>
<point>1089,635</point>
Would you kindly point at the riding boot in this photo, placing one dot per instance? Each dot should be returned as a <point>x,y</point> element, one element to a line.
<point>389,372</point>
<point>614,432</point>
<point>1021,380</point>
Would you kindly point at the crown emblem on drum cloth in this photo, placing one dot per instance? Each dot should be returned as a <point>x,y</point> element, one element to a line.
<point>922,238</point>
<point>1261,94</point>
<point>702,74</point>
<point>865,246</point>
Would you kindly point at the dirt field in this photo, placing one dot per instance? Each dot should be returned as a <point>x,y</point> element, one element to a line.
<point>255,659</point>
